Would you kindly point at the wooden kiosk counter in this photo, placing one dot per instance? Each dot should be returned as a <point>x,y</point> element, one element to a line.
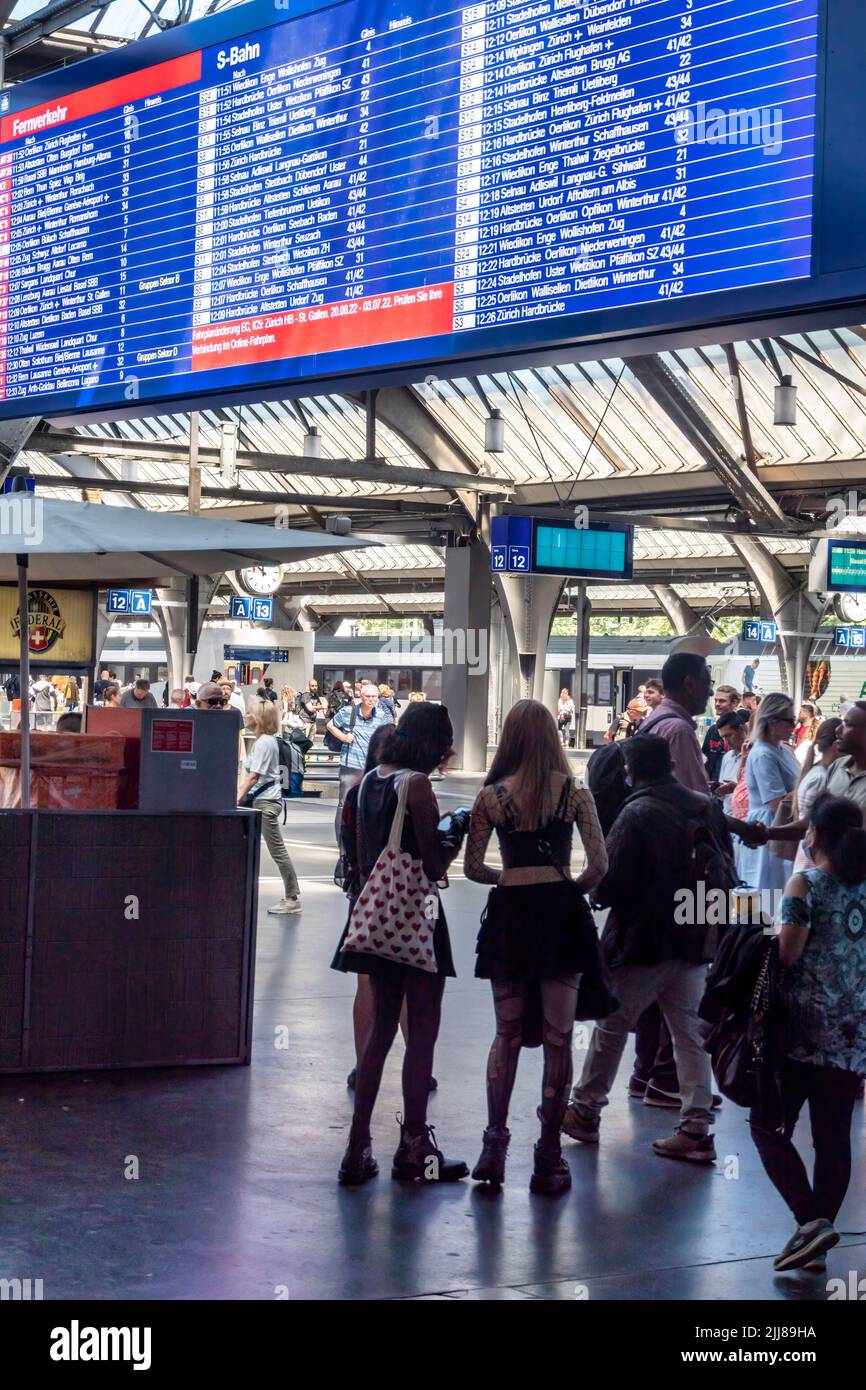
<point>127,936</point>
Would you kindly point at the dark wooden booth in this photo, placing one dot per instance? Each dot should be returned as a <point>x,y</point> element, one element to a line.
<point>126,939</point>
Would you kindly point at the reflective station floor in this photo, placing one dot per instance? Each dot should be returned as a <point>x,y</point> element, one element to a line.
<point>237,1195</point>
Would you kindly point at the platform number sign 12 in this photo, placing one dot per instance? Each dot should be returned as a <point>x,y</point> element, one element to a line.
<point>134,601</point>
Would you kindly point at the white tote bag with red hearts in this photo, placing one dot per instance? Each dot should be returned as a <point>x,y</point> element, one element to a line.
<point>397,909</point>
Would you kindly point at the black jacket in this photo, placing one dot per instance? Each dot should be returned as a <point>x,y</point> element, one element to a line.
<point>648,861</point>
<point>713,749</point>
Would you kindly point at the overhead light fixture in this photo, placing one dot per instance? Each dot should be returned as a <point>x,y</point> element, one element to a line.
<point>312,443</point>
<point>494,433</point>
<point>229,452</point>
<point>785,402</point>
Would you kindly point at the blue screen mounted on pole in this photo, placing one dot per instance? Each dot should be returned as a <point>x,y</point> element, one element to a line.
<point>530,545</point>
<point>277,200</point>
<point>846,567</point>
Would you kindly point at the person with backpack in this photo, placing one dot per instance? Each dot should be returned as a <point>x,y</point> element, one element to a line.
<point>822,948</point>
<point>353,726</point>
<point>668,846</point>
<point>262,788</point>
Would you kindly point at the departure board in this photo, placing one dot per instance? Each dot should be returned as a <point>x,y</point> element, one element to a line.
<point>379,183</point>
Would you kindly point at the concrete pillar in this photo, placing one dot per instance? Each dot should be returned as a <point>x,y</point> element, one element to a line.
<point>171,617</point>
<point>680,614</point>
<point>582,614</point>
<point>494,695</point>
<point>104,623</point>
<point>528,605</point>
<point>796,612</point>
<point>172,624</point>
<point>465,652</point>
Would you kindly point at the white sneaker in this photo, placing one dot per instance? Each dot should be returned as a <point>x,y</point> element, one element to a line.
<point>285,906</point>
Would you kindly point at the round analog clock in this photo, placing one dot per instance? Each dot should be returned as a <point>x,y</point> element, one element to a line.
<point>260,580</point>
<point>852,607</point>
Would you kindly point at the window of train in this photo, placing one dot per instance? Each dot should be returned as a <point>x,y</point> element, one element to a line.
<point>430,682</point>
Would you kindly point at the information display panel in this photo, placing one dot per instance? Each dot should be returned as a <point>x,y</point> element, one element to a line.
<point>377,184</point>
<point>846,567</point>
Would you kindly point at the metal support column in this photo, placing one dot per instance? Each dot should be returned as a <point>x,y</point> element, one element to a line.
<point>582,613</point>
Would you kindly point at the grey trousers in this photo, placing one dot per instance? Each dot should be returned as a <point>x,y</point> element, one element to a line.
<point>272,834</point>
<point>676,987</point>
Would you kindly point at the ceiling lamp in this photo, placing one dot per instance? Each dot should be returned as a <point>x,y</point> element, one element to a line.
<point>494,433</point>
<point>785,402</point>
<point>312,443</point>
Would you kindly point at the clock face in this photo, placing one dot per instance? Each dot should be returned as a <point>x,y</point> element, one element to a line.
<point>852,607</point>
<point>260,579</point>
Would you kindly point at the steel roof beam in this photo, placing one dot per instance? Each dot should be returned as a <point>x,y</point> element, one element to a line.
<point>53,442</point>
<point>684,412</point>
<point>25,32</point>
<point>237,494</point>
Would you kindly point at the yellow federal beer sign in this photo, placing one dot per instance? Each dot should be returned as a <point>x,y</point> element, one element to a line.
<point>60,622</point>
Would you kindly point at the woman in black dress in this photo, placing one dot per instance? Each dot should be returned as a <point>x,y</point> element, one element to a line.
<point>537,935</point>
<point>419,744</point>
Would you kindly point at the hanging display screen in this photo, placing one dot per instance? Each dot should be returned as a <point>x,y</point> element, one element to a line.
<point>377,184</point>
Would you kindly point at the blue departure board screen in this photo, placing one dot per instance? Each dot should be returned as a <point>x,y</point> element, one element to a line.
<point>600,551</point>
<point>280,196</point>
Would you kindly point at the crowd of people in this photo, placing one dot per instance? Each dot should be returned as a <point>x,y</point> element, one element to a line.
<point>745,811</point>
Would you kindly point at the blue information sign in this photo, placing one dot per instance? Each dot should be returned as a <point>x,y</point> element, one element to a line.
<point>754,630</point>
<point>850,637</point>
<point>133,601</point>
<point>257,610</point>
<point>263,197</point>
<point>511,547</point>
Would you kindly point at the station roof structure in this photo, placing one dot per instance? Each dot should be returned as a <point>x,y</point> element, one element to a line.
<point>681,442</point>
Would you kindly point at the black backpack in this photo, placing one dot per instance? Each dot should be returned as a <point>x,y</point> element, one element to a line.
<point>333,744</point>
<point>605,777</point>
<point>605,774</point>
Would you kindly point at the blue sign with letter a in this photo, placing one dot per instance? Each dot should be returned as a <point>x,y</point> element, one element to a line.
<point>140,601</point>
<point>239,607</point>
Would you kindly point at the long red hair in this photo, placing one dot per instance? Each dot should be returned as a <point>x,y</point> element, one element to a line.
<point>529,753</point>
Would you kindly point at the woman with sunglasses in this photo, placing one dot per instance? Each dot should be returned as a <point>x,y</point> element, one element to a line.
<point>771,775</point>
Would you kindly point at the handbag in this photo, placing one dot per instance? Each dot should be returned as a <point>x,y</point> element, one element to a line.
<point>396,910</point>
<point>783,849</point>
<point>738,1044</point>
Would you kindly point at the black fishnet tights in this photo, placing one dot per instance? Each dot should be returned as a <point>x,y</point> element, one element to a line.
<point>558,999</point>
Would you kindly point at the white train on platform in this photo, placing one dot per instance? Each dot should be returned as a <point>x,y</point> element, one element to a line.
<point>617,666</point>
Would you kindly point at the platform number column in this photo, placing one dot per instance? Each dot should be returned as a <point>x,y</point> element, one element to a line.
<point>204,217</point>
<point>469,137</point>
